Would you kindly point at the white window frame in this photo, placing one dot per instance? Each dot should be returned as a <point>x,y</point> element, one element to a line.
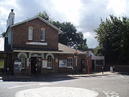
<point>42,34</point>
<point>30,33</point>
<point>69,62</point>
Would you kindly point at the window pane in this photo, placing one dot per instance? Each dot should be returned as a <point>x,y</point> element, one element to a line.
<point>23,62</point>
<point>30,33</point>
<point>42,36</point>
<point>49,61</point>
<point>69,62</point>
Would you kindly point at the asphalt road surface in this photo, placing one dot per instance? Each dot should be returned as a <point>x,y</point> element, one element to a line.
<point>95,85</point>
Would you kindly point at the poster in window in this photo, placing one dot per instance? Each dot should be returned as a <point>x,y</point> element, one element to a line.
<point>62,63</point>
<point>17,66</point>
<point>44,64</point>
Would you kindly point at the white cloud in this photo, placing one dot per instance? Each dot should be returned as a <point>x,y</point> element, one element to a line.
<point>91,41</point>
<point>69,10</point>
<point>5,6</point>
<point>118,7</point>
<point>84,14</point>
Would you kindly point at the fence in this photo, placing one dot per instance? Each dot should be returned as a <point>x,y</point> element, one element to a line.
<point>122,68</point>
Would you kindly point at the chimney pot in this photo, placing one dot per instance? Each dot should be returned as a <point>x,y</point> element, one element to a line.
<point>10,20</point>
<point>12,10</point>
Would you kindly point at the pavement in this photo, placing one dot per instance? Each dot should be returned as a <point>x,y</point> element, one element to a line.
<point>74,85</point>
<point>94,74</point>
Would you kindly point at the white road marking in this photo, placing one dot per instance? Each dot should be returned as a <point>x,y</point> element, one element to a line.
<point>57,92</point>
<point>111,94</point>
<point>108,93</point>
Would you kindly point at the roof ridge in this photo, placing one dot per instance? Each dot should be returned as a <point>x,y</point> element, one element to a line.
<point>29,19</point>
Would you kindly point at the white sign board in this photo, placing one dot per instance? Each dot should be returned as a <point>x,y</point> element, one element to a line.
<point>1,44</point>
<point>62,63</point>
<point>44,64</point>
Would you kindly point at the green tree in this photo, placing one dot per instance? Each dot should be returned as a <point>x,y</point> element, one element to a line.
<point>97,51</point>
<point>44,15</point>
<point>81,42</point>
<point>112,35</point>
<point>69,36</point>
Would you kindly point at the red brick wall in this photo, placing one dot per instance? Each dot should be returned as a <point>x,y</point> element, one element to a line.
<point>64,69</point>
<point>20,35</point>
<point>89,65</point>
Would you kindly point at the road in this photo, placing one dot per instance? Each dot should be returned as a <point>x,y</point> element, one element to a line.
<point>98,85</point>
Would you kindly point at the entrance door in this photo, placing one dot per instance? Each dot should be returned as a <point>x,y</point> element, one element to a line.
<point>83,66</point>
<point>35,65</point>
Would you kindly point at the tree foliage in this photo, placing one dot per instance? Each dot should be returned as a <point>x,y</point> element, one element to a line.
<point>113,37</point>
<point>69,36</point>
<point>44,15</point>
<point>97,51</point>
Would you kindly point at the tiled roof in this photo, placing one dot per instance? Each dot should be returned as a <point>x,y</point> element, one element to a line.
<point>61,49</point>
<point>64,48</point>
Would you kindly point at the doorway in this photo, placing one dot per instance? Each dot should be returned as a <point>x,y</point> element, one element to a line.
<point>83,66</point>
<point>36,65</point>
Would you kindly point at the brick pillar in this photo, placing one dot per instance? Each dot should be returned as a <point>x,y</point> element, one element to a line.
<point>89,65</point>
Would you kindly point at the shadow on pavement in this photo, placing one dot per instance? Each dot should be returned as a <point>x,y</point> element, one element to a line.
<point>37,78</point>
<point>54,77</point>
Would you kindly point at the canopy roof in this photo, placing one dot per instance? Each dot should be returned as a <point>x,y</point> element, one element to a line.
<point>61,49</point>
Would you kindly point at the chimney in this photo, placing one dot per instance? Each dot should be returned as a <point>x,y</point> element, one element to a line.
<point>11,17</point>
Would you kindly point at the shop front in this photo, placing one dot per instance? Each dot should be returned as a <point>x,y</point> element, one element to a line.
<point>33,63</point>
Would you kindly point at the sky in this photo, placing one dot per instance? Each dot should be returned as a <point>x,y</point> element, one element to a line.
<point>84,14</point>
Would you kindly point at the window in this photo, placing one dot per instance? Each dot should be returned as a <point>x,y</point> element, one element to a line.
<point>30,33</point>
<point>49,62</point>
<point>23,62</point>
<point>22,58</point>
<point>99,62</point>
<point>69,62</point>
<point>42,35</point>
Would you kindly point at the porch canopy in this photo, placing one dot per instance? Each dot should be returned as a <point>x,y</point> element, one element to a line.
<point>97,57</point>
<point>62,49</point>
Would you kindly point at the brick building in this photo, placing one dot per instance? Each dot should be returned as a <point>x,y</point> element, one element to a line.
<point>32,48</point>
